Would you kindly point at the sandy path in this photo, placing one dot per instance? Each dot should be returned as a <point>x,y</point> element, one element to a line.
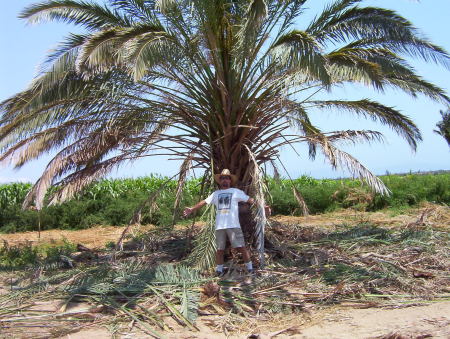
<point>432,319</point>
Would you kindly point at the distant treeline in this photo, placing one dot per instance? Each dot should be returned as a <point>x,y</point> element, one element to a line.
<point>112,202</point>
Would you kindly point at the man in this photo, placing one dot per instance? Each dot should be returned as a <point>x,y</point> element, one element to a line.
<point>226,200</point>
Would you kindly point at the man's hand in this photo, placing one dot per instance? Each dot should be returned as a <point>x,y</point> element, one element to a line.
<point>267,209</point>
<point>187,211</point>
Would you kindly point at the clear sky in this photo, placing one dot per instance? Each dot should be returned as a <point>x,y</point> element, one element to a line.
<point>25,46</point>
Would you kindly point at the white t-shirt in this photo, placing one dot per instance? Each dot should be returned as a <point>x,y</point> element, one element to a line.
<point>226,202</point>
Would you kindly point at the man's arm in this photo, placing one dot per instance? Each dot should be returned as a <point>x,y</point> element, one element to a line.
<point>189,210</point>
<point>267,209</point>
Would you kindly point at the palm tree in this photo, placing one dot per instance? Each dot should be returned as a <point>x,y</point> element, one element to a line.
<point>216,83</point>
<point>443,126</point>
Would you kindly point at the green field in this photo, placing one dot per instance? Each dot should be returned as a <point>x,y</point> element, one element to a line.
<point>112,202</point>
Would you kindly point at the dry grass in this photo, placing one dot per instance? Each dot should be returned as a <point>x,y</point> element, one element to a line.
<point>95,237</point>
<point>437,216</point>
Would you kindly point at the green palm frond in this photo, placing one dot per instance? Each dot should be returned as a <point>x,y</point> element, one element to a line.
<point>143,10</point>
<point>414,85</point>
<point>444,126</point>
<point>358,23</point>
<point>148,51</point>
<point>179,275</point>
<point>344,67</point>
<point>60,63</point>
<point>98,51</point>
<point>409,45</point>
<point>189,304</point>
<point>329,13</point>
<point>297,51</point>
<point>400,123</point>
<point>87,14</point>
<point>203,255</point>
<point>253,19</point>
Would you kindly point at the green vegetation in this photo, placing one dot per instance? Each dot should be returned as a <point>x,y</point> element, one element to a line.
<point>17,257</point>
<point>113,202</point>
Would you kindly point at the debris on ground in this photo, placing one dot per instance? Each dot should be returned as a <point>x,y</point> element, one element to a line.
<point>149,288</point>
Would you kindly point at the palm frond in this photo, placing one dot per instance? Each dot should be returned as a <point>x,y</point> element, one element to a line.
<point>414,85</point>
<point>354,136</point>
<point>299,51</point>
<point>344,160</point>
<point>329,13</point>
<point>301,201</point>
<point>189,304</point>
<point>412,46</point>
<point>147,51</point>
<point>137,9</point>
<point>203,254</point>
<point>185,167</point>
<point>90,15</point>
<point>98,51</point>
<point>386,115</point>
<point>254,17</point>
<point>259,190</point>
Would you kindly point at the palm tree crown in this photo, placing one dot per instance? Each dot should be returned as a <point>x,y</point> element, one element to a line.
<point>217,83</point>
<point>443,126</point>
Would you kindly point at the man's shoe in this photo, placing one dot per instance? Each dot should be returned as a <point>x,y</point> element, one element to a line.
<point>251,272</point>
<point>220,274</point>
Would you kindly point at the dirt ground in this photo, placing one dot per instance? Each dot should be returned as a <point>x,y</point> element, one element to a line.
<point>414,321</point>
<point>95,237</point>
<point>431,320</point>
<point>420,320</point>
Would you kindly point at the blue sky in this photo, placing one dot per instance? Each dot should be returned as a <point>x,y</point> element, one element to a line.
<point>25,46</point>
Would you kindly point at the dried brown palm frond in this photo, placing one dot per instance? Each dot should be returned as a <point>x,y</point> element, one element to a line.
<point>342,159</point>
<point>276,172</point>
<point>259,190</point>
<point>301,201</point>
<point>184,171</point>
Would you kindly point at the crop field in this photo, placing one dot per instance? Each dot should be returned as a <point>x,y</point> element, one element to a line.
<point>112,202</point>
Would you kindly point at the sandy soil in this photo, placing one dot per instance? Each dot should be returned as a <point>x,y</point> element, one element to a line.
<point>415,321</point>
<point>419,321</point>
